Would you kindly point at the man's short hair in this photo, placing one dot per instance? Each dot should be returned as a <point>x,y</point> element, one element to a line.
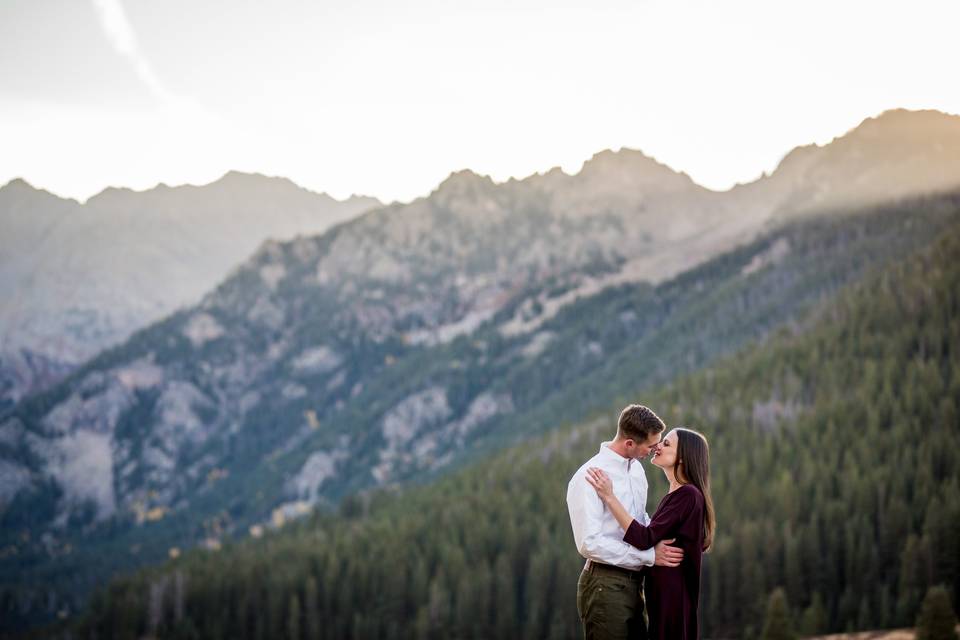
<point>638,423</point>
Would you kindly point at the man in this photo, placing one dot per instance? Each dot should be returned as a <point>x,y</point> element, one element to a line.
<point>609,593</point>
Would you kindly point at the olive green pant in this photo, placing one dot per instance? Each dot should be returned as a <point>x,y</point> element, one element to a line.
<point>610,603</point>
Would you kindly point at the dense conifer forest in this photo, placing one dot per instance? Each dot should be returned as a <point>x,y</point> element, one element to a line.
<point>835,447</point>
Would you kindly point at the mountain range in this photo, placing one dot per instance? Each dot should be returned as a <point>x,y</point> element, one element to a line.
<point>399,344</point>
<point>78,278</point>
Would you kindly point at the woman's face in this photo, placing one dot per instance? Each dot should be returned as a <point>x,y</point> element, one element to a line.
<point>666,454</point>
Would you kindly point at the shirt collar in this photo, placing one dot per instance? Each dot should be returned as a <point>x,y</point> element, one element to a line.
<point>613,458</point>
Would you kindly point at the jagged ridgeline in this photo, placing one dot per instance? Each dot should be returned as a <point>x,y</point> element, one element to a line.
<point>315,426</point>
<point>836,474</point>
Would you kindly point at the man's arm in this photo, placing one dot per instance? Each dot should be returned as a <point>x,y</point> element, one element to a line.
<point>586,517</point>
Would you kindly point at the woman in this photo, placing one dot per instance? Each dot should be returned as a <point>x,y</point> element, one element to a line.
<point>685,513</point>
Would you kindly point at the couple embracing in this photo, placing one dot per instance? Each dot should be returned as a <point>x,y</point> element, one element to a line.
<point>630,556</point>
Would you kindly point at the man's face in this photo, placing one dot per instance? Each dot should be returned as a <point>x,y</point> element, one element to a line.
<point>640,450</point>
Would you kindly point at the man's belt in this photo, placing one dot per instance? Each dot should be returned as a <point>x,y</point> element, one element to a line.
<point>594,567</point>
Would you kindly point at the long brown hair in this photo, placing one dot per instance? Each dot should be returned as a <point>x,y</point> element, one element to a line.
<point>693,450</point>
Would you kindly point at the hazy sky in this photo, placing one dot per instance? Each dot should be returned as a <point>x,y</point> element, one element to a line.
<point>386,97</point>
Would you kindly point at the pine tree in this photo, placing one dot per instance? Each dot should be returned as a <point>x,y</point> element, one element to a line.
<point>505,616</point>
<point>293,619</point>
<point>814,617</point>
<point>310,600</point>
<point>777,625</point>
<point>937,621</point>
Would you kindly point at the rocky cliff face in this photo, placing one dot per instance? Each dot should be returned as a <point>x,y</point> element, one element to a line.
<point>76,279</point>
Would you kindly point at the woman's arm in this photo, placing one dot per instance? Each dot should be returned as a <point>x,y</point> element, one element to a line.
<point>668,518</point>
<point>602,483</point>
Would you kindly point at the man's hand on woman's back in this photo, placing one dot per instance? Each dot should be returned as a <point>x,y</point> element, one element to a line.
<point>667,556</point>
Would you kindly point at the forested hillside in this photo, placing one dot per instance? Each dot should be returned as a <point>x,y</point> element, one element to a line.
<point>835,460</point>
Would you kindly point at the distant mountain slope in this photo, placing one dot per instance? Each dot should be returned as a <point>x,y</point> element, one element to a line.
<point>894,154</point>
<point>75,278</point>
<point>835,469</point>
<point>74,284</point>
<point>146,448</point>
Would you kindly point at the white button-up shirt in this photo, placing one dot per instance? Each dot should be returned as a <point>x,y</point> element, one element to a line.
<point>597,533</point>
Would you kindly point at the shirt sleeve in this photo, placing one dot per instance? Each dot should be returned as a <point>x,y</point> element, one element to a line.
<point>586,518</point>
<point>668,518</point>
<point>644,519</point>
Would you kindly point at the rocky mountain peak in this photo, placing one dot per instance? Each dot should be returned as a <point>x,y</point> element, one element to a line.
<point>895,154</point>
<point>241,180</point>
<point>110,195</point>
<point>18,189</point>
<point>548,180</point>
<point>236,184</point>
<point>797,158</point>
<point>463,190</point>
<point>907,122</point>
<point>464,182</point>
<point>18,183</point>
<point>892,133</point>
<point>631,168</point>
<point>367,202</point>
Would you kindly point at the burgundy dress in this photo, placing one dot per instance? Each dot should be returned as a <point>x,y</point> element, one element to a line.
<point>673,593</point>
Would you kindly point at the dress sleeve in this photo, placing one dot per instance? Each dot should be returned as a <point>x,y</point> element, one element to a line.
<point>666,521</point>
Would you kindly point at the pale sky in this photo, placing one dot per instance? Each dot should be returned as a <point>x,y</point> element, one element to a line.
<point>387,97</point>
